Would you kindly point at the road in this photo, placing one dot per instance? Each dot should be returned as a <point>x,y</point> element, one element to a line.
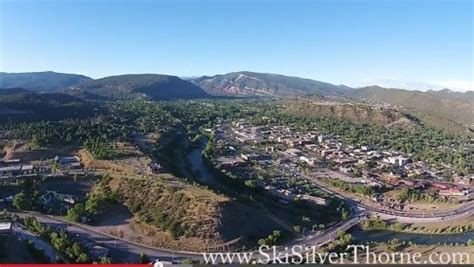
<point>38,243</point>
<point>126,251</point>
<point>454,214</point>
<point>121,250</point>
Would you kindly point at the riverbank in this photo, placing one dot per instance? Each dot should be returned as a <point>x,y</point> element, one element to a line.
<point>363,236</point>
<point>439,228</point>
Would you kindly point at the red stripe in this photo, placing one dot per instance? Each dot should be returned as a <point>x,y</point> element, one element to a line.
<point>76,265</point>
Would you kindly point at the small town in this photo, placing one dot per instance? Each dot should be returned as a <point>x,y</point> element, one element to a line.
<point>195,133</point>
<point>242,147</point>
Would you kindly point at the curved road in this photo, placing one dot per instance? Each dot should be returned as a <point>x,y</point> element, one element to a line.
<point>453,214</point>
<point>126,251</point>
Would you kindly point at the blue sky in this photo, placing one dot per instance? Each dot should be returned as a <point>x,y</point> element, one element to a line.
<point>413,43</point>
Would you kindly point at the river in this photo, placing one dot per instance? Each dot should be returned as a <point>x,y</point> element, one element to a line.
<point>197,163</point>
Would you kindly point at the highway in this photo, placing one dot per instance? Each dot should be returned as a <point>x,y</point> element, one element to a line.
<point>121,250</point>
<point>453,214</point>
<point>126,251</point>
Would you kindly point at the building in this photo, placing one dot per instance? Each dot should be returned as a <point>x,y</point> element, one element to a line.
<point>153,167</point>
<point>5,228</point>
<point>310,161</point>
<point>398,160</point>
<point>293,152</point>
<point>440,186</point>
<point>229,162</point>
<point>69,162</point>
<point>463,180</point>
<point>250,157</point>
<point>17,170</point>
<point>453,192</point>
<point>7,199</point>
<point>9,162</point>
<point>58,202</point>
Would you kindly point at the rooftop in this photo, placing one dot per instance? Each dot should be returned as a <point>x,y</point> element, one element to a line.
<point>5,226</point>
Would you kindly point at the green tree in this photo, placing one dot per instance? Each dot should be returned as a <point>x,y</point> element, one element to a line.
<point>398,227</point>
<point>250,183</point>
<point>105,260</point>
<point>144,258</point>
<point>83,258</point>
<point>297,228</point>
<point>76,213</point>
<point>21,202</point>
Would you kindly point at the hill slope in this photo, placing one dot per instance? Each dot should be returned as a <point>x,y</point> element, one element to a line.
<point>433,108</point>
<point>134,86</point>
<point>465,96</point>
<point>21,105</point>
<point>246,83</point>
<point>357,112</point>
<point>40,81</point>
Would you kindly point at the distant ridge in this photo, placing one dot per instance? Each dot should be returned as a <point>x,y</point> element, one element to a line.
<point>245,83</point>
<point>22,105</point>
<point>47,81</point>
<point>444,108</point>
<point>19,96</point>
<point>138,86</point>
<point>468,95</point>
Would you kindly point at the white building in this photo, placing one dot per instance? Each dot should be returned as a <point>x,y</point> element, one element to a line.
<point>398,160</point>
<point>5,228</point>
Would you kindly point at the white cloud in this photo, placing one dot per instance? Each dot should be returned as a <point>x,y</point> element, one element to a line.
<point>458,85</point>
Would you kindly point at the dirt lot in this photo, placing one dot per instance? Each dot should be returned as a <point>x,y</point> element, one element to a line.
<point>130,165</point>
<point>23,151</point>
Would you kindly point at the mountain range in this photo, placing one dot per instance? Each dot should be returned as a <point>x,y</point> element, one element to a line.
<point>47,81</point>
<point>246,83</point>
<point>444,107</point>
<point>133,86</point>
